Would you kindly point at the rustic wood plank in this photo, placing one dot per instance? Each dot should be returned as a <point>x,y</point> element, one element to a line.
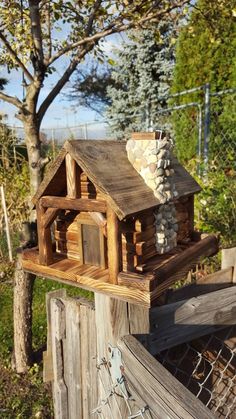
<point>47,355</point>
<point>81,204</point>
<point>111,323</point>
<point>166,397</point>
<point>139,323</point>
<point>186,320</point>
<point>206,247</point>
<point>49,216</point>
<point>67,235</point>
<point>209,283</point>
<point>60,395</point>
<point>113,246</point>
<point>44,238</point>
<point>72,358</point>
<point>54,272</point>
<point>88,359</point>
<point>135,280</point>
<point>72,177</point>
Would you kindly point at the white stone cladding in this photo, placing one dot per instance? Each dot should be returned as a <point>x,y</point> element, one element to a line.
<point>153,161</point>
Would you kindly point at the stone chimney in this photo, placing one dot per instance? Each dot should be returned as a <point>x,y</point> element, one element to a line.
<point>150,154</point>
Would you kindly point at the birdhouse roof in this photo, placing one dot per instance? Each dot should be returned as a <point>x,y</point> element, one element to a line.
<point>107,166</point>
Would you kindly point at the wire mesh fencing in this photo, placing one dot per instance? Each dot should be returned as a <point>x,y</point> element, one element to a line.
<point>206,367</point>
<point>222,150</point>
<point>116,393</point>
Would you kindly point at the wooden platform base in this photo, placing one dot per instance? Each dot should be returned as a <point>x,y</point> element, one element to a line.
<point>141,288</point>
<point>91,278</point>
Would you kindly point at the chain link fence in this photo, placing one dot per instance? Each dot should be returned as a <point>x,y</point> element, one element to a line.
<point>206,367</point>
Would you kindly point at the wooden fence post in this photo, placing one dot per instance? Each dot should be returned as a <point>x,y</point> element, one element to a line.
<point>114,319</point>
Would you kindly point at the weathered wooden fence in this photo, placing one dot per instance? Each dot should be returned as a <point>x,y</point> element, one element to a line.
<point>99,367</point>
<point>71,357</point>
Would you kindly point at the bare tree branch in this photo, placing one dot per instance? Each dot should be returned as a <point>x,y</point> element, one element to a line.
<point>12,100</point>
<point>92,16</point>
<point>61,83</point>
<point>15,56</point>
<point>116,27</point>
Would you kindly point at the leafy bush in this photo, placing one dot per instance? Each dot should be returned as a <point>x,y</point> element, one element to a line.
<point>216,205</point>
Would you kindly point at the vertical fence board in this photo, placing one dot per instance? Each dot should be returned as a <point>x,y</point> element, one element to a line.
<point>111,324</point>
<point>47,355</point>
<point>58,333</point>
<point>88,360</point>
<point>72,358</point>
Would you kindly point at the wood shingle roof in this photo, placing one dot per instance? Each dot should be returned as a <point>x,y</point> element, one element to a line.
<point>107,166</point>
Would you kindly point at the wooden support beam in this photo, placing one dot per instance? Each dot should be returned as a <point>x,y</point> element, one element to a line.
<point>72,177</point>
<point>80,204</point>
<point>183,321</point>
<point>44,238</point>
<point>113,246</point>
<point>49,216</point>
<point>155,387</point>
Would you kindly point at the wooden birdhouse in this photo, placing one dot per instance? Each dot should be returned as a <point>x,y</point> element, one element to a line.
<point>117,217</point>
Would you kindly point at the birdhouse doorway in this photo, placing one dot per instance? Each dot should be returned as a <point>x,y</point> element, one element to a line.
<point>91,245</point>
<point>92,242</point>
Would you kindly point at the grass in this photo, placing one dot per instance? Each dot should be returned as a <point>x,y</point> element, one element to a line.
<point>25,396</point>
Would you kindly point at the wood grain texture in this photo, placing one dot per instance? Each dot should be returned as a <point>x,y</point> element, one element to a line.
<point>81,204</point>
<point>72,177</point>
<point>107,166</point>
<point>111,323</point>
<point>47,355</point>
<point>209,283</point>
<point>44,238</point>
<point>186,320</point>
<point>72,358</point>
<point>113,245</point>
<point>166,397</point>
<point>88,359</point>
<point>206,247</point>
<point>91,278</point>
<point>58,334</point>
<point>49,216</point>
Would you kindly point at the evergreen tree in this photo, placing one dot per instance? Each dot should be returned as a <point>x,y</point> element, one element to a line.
<point>142,74</point>
<point>205,54</point>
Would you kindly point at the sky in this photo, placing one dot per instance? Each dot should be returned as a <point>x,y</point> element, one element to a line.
<point>62,112</point>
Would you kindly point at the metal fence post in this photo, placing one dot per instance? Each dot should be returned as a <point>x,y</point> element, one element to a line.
<point>206,126</point>
<point>199,148</point>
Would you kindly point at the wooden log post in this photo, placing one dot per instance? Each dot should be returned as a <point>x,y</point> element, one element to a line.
<point>114,319</point>
<point>72,177</point>
<point>113,245</point>
<point>44,237</point>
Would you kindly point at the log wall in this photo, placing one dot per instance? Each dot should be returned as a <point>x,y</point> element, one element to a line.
<point>138,234</point>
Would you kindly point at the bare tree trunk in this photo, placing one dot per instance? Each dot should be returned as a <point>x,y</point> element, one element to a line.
<point>23,295</point>
<point>34,154</point>
<point>24,282</point>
